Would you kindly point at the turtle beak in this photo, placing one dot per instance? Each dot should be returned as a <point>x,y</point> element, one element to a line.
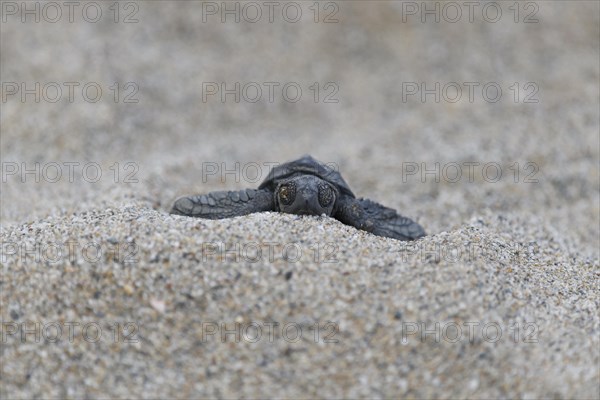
<point>305,203</point>
<point>307,195</point>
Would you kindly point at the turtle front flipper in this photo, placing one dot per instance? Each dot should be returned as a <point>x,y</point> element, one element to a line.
<point>379,220</point>
<point>223,204</point>
<point>387,222</point>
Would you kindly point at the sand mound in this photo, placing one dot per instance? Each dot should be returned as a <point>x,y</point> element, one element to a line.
<point>272,303</point>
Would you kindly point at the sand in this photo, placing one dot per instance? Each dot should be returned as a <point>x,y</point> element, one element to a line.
<point>106,295</point>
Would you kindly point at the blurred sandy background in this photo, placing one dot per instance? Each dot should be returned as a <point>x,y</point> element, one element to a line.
<point>369,55</point>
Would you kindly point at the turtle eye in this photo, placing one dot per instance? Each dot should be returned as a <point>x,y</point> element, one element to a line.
<point>325,195</point>
<point>287,194</point>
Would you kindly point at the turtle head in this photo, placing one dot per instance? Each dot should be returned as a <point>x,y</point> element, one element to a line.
<point>306,195</point>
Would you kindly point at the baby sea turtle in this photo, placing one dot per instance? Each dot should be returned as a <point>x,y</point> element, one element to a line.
<point>305,187</point>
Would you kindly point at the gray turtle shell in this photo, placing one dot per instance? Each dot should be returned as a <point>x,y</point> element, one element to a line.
<point>306,166</point>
